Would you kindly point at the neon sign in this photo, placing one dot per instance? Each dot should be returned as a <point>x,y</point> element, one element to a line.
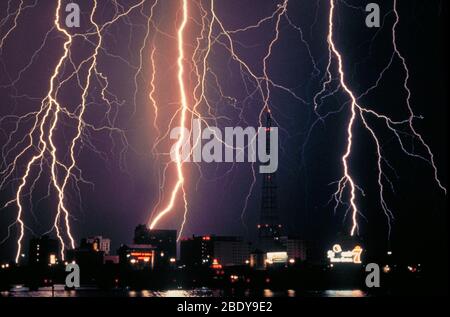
<point>142,254</point>
<point>276,257</point>
<point>337,255</point>
<point>216,265</point>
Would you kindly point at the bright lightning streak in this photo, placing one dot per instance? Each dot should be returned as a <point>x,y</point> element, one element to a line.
<point>40,143</point>
<point>61,206</point>
<point>178,145</point>
<point>43,148</point>
<point>201,69</point>
<point>347,178</point>
<point>48,103</point>
<point>356,111</point>
<point>151,94</point>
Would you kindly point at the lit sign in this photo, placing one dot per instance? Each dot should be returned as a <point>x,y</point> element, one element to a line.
<point>142,254</point>
<point>52,259</point>
<point>277,257</point>
<point>337,255</point>
<point>215,264</point>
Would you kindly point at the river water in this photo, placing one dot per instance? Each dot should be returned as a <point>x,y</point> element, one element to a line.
<point>59,291</point>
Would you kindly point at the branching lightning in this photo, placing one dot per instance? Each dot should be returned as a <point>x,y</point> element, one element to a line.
<point>39,147</point>
<point>213,33</point>
<point>179,186</point>
<point>36,147</point>
<point>358,111</point>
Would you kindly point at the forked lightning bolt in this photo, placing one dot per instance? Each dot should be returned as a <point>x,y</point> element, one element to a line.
<point>200,35</point>
<point>214,33</point>
<point>39,147</point>
<point>358,111</point>
<point>179,185</point>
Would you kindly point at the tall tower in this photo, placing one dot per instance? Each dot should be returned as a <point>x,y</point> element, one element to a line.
<point>269,227</point>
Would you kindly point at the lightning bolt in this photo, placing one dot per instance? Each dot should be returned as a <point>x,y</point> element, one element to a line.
<point>200,93</point>
<point>40,140</point>
<point>179,185</point>
<point>358,111</point>
<point>48,105</point>
<point>347,178</point>
<point>202,69</point>
<point>16,15</point>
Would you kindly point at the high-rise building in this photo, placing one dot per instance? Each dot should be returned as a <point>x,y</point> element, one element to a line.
<point>43,251</point>
<point>137,256</point>
<point>88,254</point>
<point>269,227</point>
<point>296,248</point>
<point>224,250</point>
<point>100,243</point>
<point>196,251</point>
<point>230,250</point>
<point>164,241</point>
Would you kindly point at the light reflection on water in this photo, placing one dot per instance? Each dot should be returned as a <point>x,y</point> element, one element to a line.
<point>345,293</point>
<point>59,291</point>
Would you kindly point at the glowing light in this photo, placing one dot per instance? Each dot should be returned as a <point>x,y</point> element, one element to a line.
<point>52,259</point>
<point>412,269</point>
<point>216,265</point>
<point>276,257</point>
<point>142,254</point>
<point>337,255</point>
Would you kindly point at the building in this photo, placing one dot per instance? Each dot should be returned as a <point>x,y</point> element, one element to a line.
<point>196,251</point>
<point>43,251</point>
<point>164,241</point>
<point>277,259</point>
<point>296,248</point>
<point>225,250</point>
<point>88,255</point>
<point>269,226</point>
<point>137,256</point>
<point>100,244</point>
<point>111,259</point>
<point>258,260</point>
<point>231,250</point>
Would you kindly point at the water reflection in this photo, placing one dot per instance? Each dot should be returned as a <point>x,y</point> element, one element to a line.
<point>59,291</point>
<point>267,293</point>
<point>291,293</point>
<point>345,293</point>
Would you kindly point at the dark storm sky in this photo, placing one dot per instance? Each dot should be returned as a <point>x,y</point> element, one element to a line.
<point>123,197</point>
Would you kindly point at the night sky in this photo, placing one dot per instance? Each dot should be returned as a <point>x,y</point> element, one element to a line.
<point>124,173</point>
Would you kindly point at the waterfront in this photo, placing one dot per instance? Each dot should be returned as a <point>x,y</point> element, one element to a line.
<point>59,291</point>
